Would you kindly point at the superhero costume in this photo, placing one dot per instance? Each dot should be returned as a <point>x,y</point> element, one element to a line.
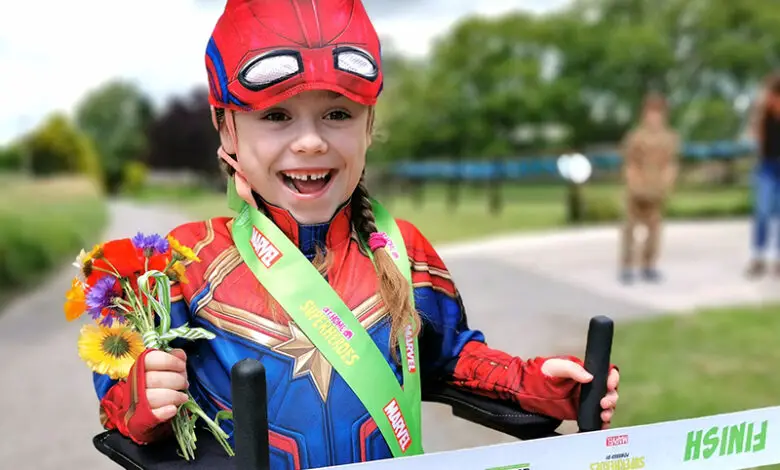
<point>314,418</point>
<point>261,52</point>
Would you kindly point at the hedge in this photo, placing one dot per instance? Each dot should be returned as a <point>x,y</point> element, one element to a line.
<point>43,225</point>
<point>602,208</point>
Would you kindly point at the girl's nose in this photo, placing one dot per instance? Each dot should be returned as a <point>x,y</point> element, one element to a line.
<point>310,142</point>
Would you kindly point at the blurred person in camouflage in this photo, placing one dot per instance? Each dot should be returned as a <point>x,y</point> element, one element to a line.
<point>650,166</point>
<point>765,129</point>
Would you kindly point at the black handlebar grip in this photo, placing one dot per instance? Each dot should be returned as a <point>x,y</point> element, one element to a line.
<point>250,415</point>
<point>597,360</point>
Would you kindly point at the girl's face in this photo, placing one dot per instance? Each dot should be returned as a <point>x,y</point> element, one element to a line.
<point>305,154</point>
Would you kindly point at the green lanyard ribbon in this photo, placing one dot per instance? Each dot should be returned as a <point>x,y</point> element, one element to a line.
<point>332,327</point>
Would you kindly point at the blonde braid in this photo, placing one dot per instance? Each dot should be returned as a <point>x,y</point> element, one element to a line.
<point>394,289</point>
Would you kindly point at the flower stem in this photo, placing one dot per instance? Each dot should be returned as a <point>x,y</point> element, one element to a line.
<point>108,262</point>
<point>184,434</point>
<point>170,264</point>
<point>213,427</point>
<point>136,302</point>
<point>113,273</point>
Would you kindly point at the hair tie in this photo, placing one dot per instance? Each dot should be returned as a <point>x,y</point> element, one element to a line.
<point>379,240</point>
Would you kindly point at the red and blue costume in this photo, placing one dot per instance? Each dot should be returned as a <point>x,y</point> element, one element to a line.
<point>261,52</point>
<point>315,419</point>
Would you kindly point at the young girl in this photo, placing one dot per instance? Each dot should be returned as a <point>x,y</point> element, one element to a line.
<point>340,302</point>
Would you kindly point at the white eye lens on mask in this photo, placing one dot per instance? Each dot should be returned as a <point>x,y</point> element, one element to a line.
<point>356,61</point>
<point>270,68</point>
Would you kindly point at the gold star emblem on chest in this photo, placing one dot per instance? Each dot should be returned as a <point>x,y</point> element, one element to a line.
<point>308,360</point>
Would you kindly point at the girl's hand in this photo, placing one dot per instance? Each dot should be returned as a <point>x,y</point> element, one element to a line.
<point>166,376</point>
<point>564,368</point>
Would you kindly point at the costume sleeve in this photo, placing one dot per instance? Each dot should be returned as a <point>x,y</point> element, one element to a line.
<point>453,352</point>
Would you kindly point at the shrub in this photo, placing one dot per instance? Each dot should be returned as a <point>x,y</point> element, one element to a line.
<point>134,177</point>
<point>57,147</point>
<point>39,232</point>
<point>601,208</point>
<point>734,206</point>
<point>11,158</point>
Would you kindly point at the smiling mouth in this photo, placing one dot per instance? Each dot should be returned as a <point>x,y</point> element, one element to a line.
<point>307,181</point>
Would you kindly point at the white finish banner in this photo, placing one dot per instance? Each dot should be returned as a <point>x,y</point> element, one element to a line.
<point>732,441</point>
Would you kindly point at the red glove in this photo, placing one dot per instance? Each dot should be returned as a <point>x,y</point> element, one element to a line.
<point>126,408</point>
<point>497,374</point>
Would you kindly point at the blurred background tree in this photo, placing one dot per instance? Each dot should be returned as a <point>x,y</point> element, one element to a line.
<point>503,86</point>
<point>115,116</point>
<point>182,136</point>
<point>57,147</point>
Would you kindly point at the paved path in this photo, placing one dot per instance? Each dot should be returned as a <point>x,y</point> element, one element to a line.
<point>531,295</point>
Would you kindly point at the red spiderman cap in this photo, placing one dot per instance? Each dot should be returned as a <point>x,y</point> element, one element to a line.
<point>264,51</point>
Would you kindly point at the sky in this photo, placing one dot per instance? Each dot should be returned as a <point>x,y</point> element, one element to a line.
<point>53,52</point>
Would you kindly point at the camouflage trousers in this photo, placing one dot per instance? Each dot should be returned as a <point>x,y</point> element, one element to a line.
<point>647,213</point>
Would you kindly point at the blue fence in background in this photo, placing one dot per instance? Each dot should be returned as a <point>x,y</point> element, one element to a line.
<point>546,166</point>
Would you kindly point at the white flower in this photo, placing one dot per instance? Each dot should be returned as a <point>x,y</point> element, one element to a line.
<point>79,263</point>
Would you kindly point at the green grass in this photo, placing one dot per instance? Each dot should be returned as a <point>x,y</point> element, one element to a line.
<point>526,207</point>
<point>43,224</point>
<point>710,362</point>
<point>157,192</point>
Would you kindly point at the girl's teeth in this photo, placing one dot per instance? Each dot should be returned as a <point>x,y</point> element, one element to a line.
<point>306,177</point>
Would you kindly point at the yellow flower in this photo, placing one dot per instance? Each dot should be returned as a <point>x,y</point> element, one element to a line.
<point>183,251</point>
<point>177,272</point>
<point>95,253</point>
<point>110,350</point>
<point>75,301</point>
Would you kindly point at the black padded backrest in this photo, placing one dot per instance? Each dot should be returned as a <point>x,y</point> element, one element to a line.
<point>502,416</point>
<point>162,456</point>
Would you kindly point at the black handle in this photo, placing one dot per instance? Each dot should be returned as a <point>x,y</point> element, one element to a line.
<point>597,360</point>
<point>250,415</point>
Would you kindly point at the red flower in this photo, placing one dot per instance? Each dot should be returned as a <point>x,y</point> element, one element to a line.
<point>118,256</point>
<point>123,255</point>
<point>159,262</point>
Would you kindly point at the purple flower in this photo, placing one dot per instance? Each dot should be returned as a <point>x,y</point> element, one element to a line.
<point>100,296</point>
<point>139,240</point>
<point>108,320</point>
<point>150,243</point>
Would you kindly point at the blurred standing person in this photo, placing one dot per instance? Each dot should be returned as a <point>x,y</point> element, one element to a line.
<point>650,166</point>
<point>766,176</point>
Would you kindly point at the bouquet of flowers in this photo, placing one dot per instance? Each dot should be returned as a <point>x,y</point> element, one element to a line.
<point>124,285</point>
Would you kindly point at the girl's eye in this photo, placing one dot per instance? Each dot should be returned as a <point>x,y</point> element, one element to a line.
<point>338,115</point>
<point>275,116</point>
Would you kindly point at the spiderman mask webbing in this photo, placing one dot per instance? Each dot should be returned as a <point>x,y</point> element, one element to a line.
<point>262,52</point>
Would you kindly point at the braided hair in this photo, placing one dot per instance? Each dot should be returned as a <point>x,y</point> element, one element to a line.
<point>394,289</point>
